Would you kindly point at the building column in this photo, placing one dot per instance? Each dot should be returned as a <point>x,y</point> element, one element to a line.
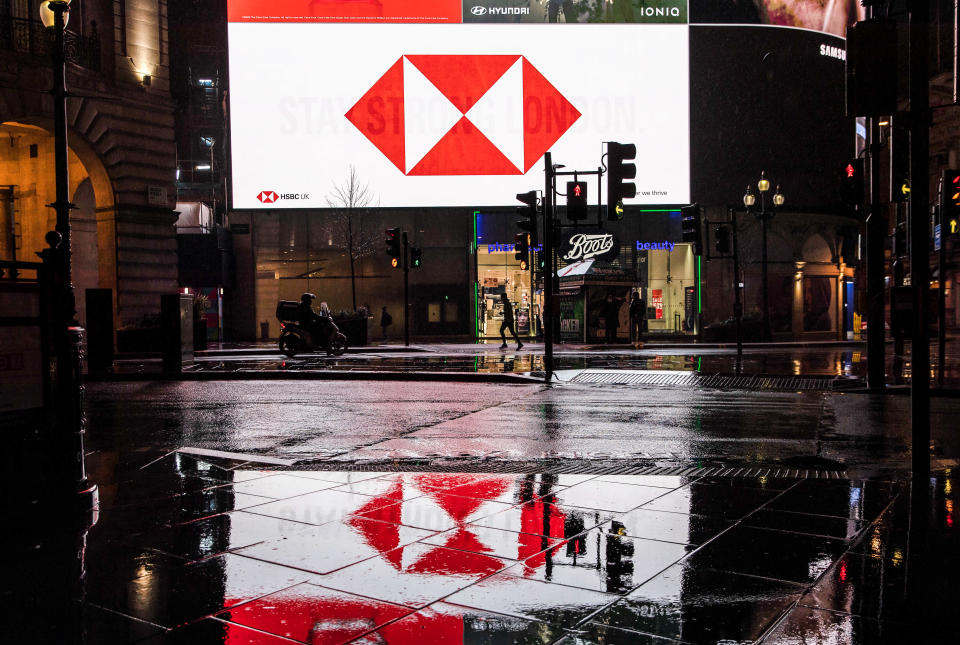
<point>798,300</point>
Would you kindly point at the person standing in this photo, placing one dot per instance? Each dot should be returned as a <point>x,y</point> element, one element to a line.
<point>508,322</point>
<point>385,321</point>
<point>638,309</point>
<point>611,316</point>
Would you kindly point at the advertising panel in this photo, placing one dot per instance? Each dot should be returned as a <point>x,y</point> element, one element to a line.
<point>449,103</point>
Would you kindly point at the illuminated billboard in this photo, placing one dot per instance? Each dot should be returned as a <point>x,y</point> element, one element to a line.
<point>454,102</point>
<point>450,103</point>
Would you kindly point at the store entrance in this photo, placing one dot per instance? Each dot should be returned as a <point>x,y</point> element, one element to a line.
<point>498,272</point>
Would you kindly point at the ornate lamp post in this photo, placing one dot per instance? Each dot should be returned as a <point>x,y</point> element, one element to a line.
<point>65,401</point>
<point>749,200</point>
<point>55,14</point>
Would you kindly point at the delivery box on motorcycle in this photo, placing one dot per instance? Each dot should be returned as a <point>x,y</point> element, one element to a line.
<point>288,311</point>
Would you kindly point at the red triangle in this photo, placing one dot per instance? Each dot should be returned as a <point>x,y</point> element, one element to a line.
<point>463,79</point>
<point>464,150</point>
<point>379,115</point>
<point>546,115</point>
<point>464,555</point>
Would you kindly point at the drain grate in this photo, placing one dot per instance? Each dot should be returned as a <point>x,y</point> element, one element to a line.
<point>573,467</point>
<point>694,379</point>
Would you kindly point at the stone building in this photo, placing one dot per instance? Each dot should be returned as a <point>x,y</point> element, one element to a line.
<point>122,152</point>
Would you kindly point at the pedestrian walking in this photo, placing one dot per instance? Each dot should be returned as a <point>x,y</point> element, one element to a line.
<point>610,312</point>
<point>385,321</point>
<point>508,322</point>
<point>638,310</point>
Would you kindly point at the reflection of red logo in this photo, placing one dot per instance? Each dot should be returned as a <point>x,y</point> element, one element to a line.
<point>463,114</point>
<point>267,196</point>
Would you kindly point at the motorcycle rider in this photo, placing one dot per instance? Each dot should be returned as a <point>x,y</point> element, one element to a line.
<point>319,326</point>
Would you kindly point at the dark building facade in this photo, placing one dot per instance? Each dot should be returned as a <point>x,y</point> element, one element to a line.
<point>122,155</point>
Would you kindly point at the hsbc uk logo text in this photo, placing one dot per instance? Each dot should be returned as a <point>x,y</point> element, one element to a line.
<point>271,197</point>
<point>463,114</point>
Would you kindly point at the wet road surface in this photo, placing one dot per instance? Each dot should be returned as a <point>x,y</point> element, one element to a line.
<point>374,421</point>
<point>843,362</point>
<point>194,551</point>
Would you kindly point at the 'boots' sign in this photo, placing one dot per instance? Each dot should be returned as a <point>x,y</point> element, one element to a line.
<point>589,245</point>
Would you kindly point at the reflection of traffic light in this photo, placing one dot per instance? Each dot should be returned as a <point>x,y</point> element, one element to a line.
<point>528,213</point>
<point>619,558</point>
<point>691,222</point>
<point>521,248</point>
<point>416,257</point>
<point>617,172</point>
<point>722,235</point>
<point>576,200</point>
<point>393,246</point>
<point>851,185</point>
<point>949,202</point>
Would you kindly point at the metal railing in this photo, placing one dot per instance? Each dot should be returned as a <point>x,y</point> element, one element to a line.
<point>31,37</point>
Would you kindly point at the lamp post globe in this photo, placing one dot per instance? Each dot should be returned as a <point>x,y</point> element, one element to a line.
<point>763,185</point>
<point>49,9</point>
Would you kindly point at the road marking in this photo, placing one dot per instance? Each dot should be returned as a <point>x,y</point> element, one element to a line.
<point>239,456</point>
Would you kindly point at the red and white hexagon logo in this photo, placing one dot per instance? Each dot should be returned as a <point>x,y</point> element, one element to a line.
<point>463,114</point>
<point>267,196</point>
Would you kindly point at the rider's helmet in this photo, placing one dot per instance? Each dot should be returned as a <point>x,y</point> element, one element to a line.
<point>307,297</point>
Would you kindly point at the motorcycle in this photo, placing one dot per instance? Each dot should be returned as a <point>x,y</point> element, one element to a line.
<point>294,339</point>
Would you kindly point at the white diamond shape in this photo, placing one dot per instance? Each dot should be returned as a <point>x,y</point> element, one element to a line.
<point>428,115</point>
<point>499,114</point>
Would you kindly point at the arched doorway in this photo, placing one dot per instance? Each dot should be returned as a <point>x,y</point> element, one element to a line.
<point>28,180</point>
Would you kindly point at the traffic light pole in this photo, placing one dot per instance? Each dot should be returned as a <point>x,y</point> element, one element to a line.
<point>920,282</point>
<point>876,233</point>
<point>942,301</point>
<point>548,274</point>
<point>737,302</point>
<point>406,290</point>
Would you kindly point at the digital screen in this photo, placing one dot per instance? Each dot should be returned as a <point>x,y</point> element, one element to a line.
<point>449,103</point>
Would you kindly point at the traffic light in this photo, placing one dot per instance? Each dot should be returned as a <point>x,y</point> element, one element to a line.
<point>899,160</point>
<point>393,246</point>
<point>539,263</point>
<point>617,172</point>
<point>691,222</point>
<point>521,247</point>
<point>416,257</point>
<point>722,240</point>
<point>851,185</point>
<point>949,202</point>
<point>529,214</point>
<point>871,68</point>
<point>576,200</point>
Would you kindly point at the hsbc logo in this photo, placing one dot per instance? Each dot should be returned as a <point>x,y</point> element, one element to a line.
<point>270,197</point>
<point>463,114</point>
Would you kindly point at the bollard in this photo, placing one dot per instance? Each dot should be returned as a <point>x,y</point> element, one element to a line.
<point>176,329</point>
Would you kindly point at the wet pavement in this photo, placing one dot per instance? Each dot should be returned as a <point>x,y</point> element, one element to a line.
<point>196,550</point>
<point>350,422</point>
<point>829,359</point>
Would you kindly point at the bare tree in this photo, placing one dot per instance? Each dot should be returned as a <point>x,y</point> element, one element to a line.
<point>345,201</point>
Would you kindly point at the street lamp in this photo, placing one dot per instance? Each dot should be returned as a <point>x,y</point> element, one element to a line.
<point>66,399</point>
<point>750,200</point>
<point>55,14</point>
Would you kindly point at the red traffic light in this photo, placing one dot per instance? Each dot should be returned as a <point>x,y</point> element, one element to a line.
<point>851,171</point>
